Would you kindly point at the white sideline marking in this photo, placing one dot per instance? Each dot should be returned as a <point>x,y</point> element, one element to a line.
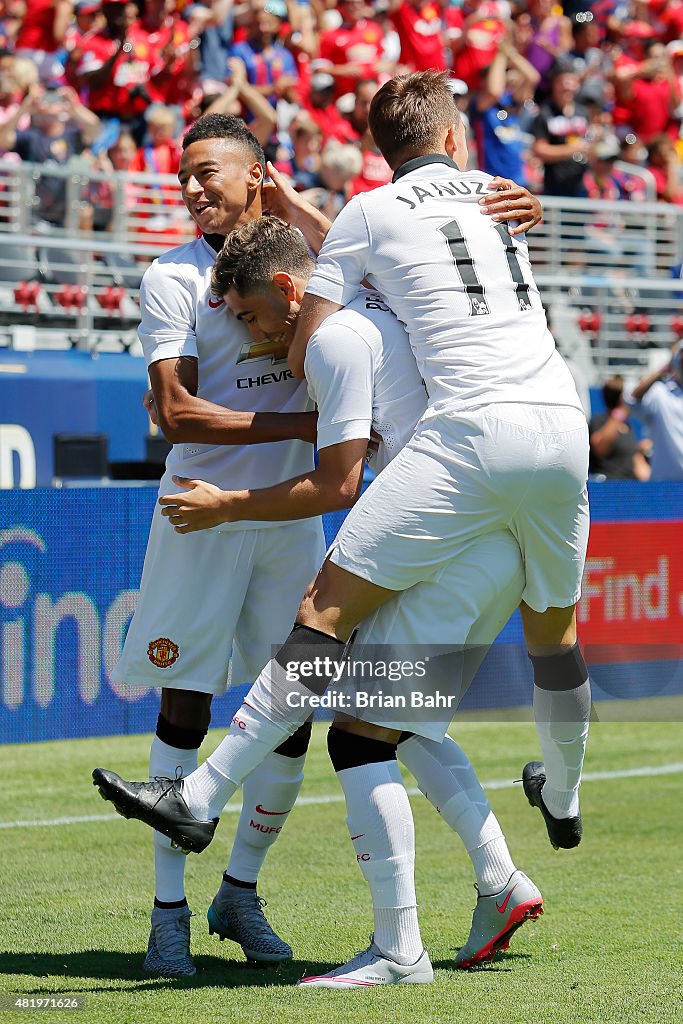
<point>646,771</point>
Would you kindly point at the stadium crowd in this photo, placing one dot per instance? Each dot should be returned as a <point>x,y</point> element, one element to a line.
<point>563,99</point>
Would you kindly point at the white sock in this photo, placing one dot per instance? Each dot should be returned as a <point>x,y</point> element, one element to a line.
<point>169,864</point>
<point>446,777</point>
<point>251,737</point>
<point>381,825</point>
<point>562,718</point>
<point>268,796</point>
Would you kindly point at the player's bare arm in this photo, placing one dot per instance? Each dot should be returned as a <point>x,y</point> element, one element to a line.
<point>184,417</point>
<point>335,484</point>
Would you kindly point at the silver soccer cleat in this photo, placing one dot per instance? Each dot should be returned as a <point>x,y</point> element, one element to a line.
<point>168,952</point>
<point>237,914</point>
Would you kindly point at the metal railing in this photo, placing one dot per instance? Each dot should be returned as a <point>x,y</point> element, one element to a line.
<point>605,266</point>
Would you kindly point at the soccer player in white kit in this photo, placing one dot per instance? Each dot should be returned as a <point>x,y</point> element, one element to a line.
<point>361,374</point>
<point>200,360</point>
<point>360,369</point>
<point>233,411</point>
<point>503,445</point>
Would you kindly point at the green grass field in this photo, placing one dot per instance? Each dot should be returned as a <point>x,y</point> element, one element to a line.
<point>75,898</point>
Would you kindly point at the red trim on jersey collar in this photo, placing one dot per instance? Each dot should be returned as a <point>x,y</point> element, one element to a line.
<point>422,161</point>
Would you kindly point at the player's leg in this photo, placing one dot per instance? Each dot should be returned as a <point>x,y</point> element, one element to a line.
<point>284,561</point>
<point>177,641</point>
<point>276,707</point>
<point>380,823</point>
<point>562,705</point>
<point>395,536</point>
<point>181,727</point>
<point>478,590</point>
<point>551,526</point>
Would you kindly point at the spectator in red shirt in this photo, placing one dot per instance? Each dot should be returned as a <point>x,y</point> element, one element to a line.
<point>664,164</point>
<point>420,28</point>
<point>162,39</point>
<point>41,34</point>
<point>115,74</point>
<point>355,49</point>
<point>483,28</point>
<point>647,91</point>
<point>375,171</point>
<point>323,110</point>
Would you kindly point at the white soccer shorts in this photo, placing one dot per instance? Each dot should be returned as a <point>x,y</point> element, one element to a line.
<point>468,602</point>
<point>206,595</point>
<point>520,468</point>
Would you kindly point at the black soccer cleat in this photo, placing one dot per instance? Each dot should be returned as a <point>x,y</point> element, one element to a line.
<point>160,804</point>
<point>563,833</point>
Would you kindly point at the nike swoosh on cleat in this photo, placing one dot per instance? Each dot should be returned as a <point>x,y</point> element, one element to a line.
<point>501,910</point>
<point>360,836</point>
<point>262,810</point>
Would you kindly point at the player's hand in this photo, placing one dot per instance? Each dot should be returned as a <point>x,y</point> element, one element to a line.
<point>150,406</point>
<point>280,199</point>
<point>510,201</point>
<point>198,507</point>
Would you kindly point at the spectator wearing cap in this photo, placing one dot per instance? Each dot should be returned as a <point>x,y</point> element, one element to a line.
<point>660,402</point>
<point>271,68</point>
<point>614,450</point>
<point>647,92</point>
<point>420,25</point>
<point>41,34</point>
<point>322,109</point>
<point>600,180</point>
<point>508,84</point>
<point>561,144</point>
<point>355,49</point>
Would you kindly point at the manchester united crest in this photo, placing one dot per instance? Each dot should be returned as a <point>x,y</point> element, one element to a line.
<point>163,652</point>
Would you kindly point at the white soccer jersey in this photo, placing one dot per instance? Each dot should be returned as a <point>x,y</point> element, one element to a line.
<point>180,317</point>
<point>459,282</point>
<point>361,373</point>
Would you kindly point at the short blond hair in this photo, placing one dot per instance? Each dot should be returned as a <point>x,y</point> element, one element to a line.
<point>409,114</point>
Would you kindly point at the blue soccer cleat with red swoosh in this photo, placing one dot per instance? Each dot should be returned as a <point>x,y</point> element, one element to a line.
<point>496,918</point>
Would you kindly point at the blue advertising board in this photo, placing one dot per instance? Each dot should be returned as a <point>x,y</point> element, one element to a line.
<point>70,563</point>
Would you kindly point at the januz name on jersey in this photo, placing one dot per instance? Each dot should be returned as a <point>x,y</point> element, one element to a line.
<point>444,190</point>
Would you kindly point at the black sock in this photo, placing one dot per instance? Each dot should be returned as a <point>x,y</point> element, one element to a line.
<point>175,905</point>
<point>238,882</point>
